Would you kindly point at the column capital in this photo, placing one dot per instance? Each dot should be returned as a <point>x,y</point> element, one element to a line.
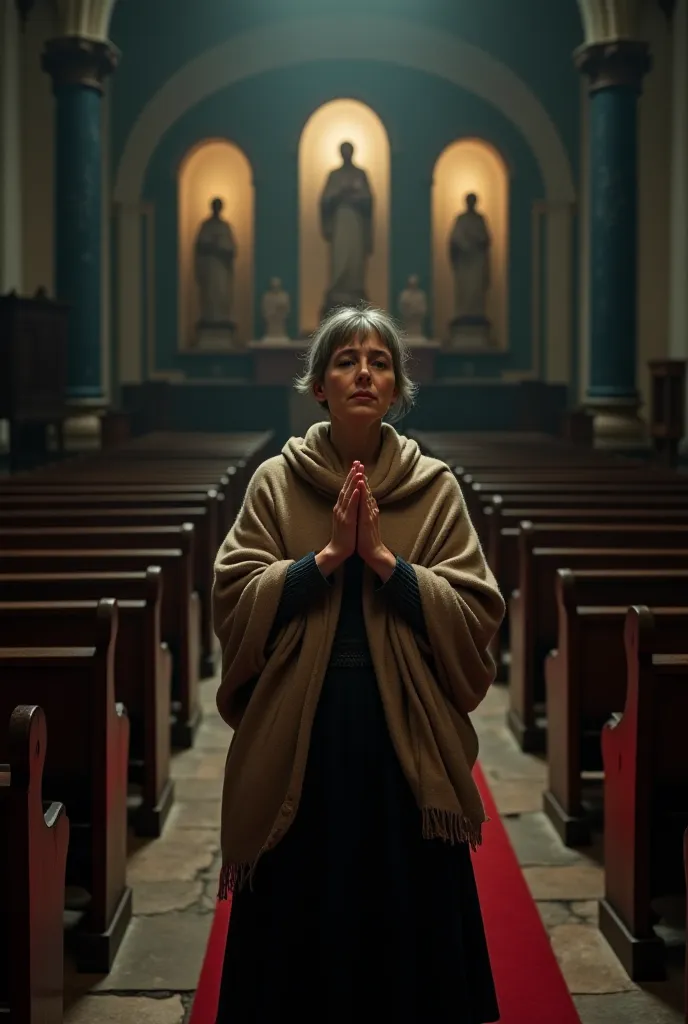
<point>618,62</point>
<point>75,60</point>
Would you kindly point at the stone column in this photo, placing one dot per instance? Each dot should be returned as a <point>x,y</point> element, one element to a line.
<point>78,67</point>
<point>615,70</point>
<point>678,310</point>
<point>10,151</point>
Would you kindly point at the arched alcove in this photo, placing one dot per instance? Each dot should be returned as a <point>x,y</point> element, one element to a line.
<point>215,168</point>
<point>342,120</point>
<point>471,165</point>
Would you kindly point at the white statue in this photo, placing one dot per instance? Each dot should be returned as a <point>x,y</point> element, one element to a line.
<point>214,254</point>
<point>346,214</point>
<point>469,252</point>
<point>413,307</point>
<point>275,308</point>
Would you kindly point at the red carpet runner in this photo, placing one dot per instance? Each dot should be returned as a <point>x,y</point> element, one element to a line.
<point>530,986</point>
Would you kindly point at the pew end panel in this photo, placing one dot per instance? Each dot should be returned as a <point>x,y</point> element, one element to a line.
<point>89,741</point>
<point>33,857</point>
<point>645,794</point>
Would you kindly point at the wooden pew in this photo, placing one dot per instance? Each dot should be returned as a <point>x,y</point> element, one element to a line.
<point>89,743</point>
<point>504,527</point>
<point>33,853</point>
<point>586,677</point>
<point>147,536</point>
<point>645,796</point>
<point>533,622</point>
<point>180,618</point>
<point>142,517</point>
<point>568,503</point>
<point>625,533</point>
<point>143,680</point>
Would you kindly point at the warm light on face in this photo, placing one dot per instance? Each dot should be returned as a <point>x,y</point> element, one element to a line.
<point>319,153</point>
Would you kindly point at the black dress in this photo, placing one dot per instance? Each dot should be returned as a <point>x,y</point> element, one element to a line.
<point>354,913</point>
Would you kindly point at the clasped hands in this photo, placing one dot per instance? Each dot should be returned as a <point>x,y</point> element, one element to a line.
<point>356,524</point>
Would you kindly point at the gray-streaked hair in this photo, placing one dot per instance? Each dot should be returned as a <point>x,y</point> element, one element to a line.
<point>344,325</point>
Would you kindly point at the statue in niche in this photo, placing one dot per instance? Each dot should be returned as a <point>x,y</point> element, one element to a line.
<point>469,252</point>
<point>346,217</point>
<point>275,308</point>
<point>214,254</point>
<point>413,307</point>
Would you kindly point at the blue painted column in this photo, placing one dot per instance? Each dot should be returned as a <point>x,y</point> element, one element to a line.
<point>615,71</point>
<point>78,68</point>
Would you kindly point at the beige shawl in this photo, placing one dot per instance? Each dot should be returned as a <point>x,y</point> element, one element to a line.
<point>269,694</point>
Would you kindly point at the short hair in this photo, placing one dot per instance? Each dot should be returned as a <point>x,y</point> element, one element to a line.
<point>345,324</point>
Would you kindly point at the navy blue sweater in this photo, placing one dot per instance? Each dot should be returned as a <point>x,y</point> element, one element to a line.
<point>305,584</point>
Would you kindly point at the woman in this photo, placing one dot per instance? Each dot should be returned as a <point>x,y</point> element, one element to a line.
<point>355,645</point>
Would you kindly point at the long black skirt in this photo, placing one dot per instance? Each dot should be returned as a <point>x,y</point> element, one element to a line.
<point>354,912</point>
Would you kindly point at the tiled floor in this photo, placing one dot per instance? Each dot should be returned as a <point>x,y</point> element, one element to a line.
<point>174,883</point>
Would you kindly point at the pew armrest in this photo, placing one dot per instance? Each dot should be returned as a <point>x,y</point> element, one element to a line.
<point>52,813</point>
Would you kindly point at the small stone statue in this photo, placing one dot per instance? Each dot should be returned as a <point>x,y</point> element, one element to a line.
<point>469,252</point>
<point>275,307</point>
<point>413,307</point>
<point>214,255</point>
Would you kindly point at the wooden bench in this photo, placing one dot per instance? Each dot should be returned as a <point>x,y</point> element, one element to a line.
<point>533,622</point>
<point>86,769</point>
<point>33,853</point>
<point>180,615</point>
<point>625,534</point>
<point>146,536</point>
<point>142,517</point>
<point>645,796</point>
<point>586,677</point>
<point>503,527</point>
<point>143,680</point>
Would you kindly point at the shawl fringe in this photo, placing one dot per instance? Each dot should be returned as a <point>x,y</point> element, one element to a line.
<point>451,827</point>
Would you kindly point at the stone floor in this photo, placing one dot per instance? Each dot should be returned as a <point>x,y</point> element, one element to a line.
<point>174,882</point>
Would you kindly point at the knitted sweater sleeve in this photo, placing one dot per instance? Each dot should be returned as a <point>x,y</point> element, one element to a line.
<point>303,585</point>
<point>403,591</point>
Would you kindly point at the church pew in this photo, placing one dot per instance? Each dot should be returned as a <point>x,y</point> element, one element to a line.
<point>533,622</point>
<point>89,743</point>
<point>146,480</point>
<point>33,852</point>
<point>645,796</point>
<point>624,534</point>
<point>203,545</point>
<point>504,528</point>
<point>612,501</point>
<point>585,677</point>
<point>180,618</point>
<point>143,680</point>
<point>57,537</point>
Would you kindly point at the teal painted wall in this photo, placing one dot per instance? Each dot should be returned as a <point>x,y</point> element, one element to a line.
<point>265,115</point>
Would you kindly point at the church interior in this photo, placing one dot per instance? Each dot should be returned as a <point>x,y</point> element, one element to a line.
<point>186,191</point>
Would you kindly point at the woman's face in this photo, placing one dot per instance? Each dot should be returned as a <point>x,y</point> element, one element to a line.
<point>359,365</point>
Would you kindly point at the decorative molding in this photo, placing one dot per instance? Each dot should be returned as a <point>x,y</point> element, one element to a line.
<point>89,19</point>
<point>73,60</point>
<point>622,62</point>
<point>610,20</point>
